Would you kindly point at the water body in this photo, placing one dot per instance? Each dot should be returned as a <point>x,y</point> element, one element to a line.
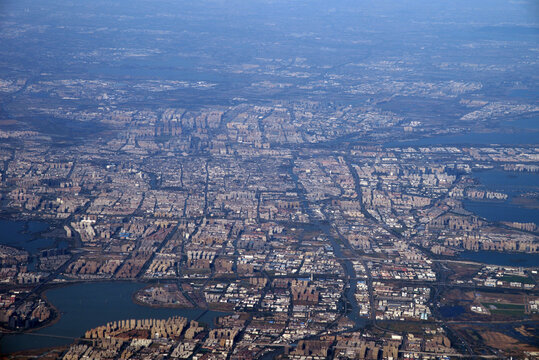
<point>504,259</point>
<point>517,138</point>
<point>523,123</point>
<point>24,235</point>
<point>88,305</point>
<point>502,211</point>
<point>451,311</point>
<point>524,94</point>
<point>511,183</point>
<point>507,181</point>
<point>349,293</point>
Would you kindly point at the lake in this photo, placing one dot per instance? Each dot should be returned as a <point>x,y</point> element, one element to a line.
<point>503,259</point>
<point>25,235</point>
<point>511,183</point>
<point>507,181</point>
<point>523,123</point>
<point>502,211</point>
<point>87,305</point>
<point>501,138</point>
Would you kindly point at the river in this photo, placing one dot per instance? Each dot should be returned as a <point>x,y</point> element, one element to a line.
<point>511,183</point>
<point>87,305</point>
<point>523,130</point>
<point>503,259</point>
<point>501,138</point>
<point>25,235</point>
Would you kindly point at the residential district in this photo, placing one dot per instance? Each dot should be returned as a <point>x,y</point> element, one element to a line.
<point>311,249</point>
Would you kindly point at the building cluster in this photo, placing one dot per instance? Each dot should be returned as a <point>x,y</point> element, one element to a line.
<point>505,276</point>
<point>163,295</point>
<point>13,264</point>
<point>176,338</point>
<point>234,209</point>
<point>140,338</point>
<point>401,303</point>
<point>20,312</point>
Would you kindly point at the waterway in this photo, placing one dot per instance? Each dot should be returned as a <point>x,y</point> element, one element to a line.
<point>349,293</point>
<point>351,286</point>
<point>511,183</point>
<point>87,305</point>
<point>501,138</point>
<point>503,259</point>
<point>522,130</point>
<point>502,211</point>
<point>25,235</point>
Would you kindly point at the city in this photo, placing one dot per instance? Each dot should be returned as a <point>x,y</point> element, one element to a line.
<point>321,212</point>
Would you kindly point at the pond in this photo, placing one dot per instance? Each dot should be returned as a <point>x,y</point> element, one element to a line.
<point>25,235</point>
<point>451,311</point>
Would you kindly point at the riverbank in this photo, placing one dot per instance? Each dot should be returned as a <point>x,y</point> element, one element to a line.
<point>86,305</point>
<point>514,259</point>
<point>53,319</point>
<point>137,294</point>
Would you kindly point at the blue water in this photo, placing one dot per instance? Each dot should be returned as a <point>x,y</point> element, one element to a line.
<point>504,259</point>
<point>24,235</point>
<point>523,123</point>
<point>509,182</point>
<point>36,226</point>
<point>88,305</point>
<point>451,311</point>
<point>502,211</point>
<point>520,138</point>
<point>524,94</point>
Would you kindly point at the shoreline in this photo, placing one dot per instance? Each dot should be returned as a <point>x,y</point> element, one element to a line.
<point>58,315</point>
<point>162,306</point>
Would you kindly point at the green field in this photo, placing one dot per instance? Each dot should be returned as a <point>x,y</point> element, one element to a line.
<point>505,309</point>
<point>516,278</point>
